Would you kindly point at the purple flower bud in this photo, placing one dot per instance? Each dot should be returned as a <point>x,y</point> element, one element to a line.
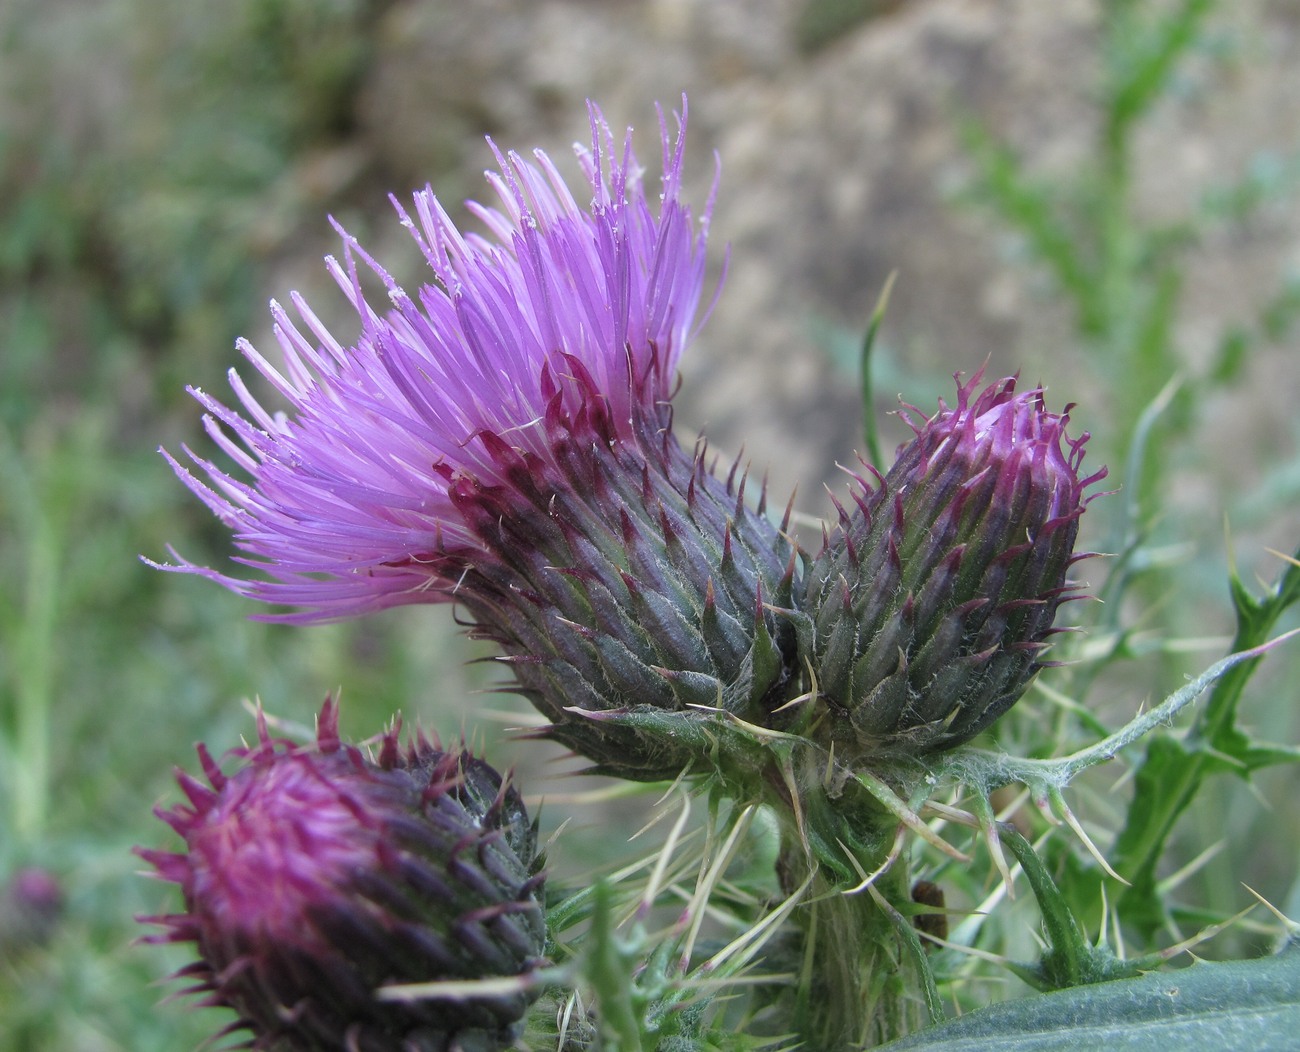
<point>934,599</point>
<point>313,876</point>
<point>503,440</point>
<point>31,906</point>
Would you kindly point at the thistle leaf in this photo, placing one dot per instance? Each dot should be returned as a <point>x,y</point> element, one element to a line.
<point>1204,1008</point>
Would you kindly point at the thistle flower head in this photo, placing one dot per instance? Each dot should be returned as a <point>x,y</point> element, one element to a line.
<point>313,876</point>
<point>561,322</point>
<point>503,439</point>
<point>934,599</point>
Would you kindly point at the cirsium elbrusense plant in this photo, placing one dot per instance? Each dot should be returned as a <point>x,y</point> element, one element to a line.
<point>503,440</point>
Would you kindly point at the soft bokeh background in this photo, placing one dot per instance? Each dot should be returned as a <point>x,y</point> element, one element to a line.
<point>166,168</point>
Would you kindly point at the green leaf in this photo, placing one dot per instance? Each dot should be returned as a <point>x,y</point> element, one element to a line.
<point>1034,211</point>
<point>988,770</point>
<point>1068,960</point>
<point>1165,783</point>
<point>1173,772</point>
<point>610,967</point>
<point>1207,1007</point>
<point>1150,55</point>
<point>870,432</point>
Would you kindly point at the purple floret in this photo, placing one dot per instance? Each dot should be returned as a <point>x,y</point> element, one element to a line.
<point>558,311</point>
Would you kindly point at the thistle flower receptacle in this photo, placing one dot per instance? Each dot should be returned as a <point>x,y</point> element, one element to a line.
<point>933,600</point>
<point>313,876</point>
<point>504,440</point>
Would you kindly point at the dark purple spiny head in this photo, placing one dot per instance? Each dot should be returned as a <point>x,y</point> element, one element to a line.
<point>313,876</point>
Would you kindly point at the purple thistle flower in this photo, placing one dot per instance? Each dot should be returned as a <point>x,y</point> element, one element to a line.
<point>935,598</point>
<point>504,440</point>
<point>563,318</point>
<point>313,876</point>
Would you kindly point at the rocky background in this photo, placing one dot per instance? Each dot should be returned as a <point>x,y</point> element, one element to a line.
<point>842,162</point>
<point>838,125</point>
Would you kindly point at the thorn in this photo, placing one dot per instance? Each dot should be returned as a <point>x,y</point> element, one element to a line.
<point>739,513</point>
<point>327,726</point>
<point>899,809</point>
<point>1058,801</point>
<point>789,511</point>
<point>869,879</point>
<point>199,794</point>
<point>628,529</point>
<point>1291,926</point>
<point>731,475</point>
<point>840,510</point>
<point>671,540</point>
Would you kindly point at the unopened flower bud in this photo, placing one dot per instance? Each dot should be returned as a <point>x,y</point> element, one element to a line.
<point>934,599</point>
<point>313,876</point>
<point>31,905</point>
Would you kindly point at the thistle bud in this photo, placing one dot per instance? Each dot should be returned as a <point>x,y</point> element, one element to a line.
<point>934,599</point>
<point>314,875</point>
<point>31,906</point>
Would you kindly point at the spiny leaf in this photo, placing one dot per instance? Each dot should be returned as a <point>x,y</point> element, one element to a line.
<point>1205,1008</point>
<point>1070,959</point>
<point>1172,773</point>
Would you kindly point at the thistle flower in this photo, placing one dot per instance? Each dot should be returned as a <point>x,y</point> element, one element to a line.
<point>934,600</point>
<point>313,876</point>
<point>504,440</point>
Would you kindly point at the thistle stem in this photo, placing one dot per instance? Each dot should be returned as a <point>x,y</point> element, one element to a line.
<point>858,988</point>
<point>859,984</point>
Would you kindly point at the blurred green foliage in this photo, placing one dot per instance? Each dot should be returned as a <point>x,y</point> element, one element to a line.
<point>1121,273</point>
<point>155,162</point>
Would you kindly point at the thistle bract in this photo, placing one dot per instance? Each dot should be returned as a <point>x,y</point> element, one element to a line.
<point>313,876</point>
<point>934,599</point>
<point>504,440</point>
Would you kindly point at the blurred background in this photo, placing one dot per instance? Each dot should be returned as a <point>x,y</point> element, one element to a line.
<point>1101,194</point>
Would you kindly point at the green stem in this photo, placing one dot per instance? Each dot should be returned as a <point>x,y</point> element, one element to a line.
<point>858,988</point>
<point>862,983</point>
